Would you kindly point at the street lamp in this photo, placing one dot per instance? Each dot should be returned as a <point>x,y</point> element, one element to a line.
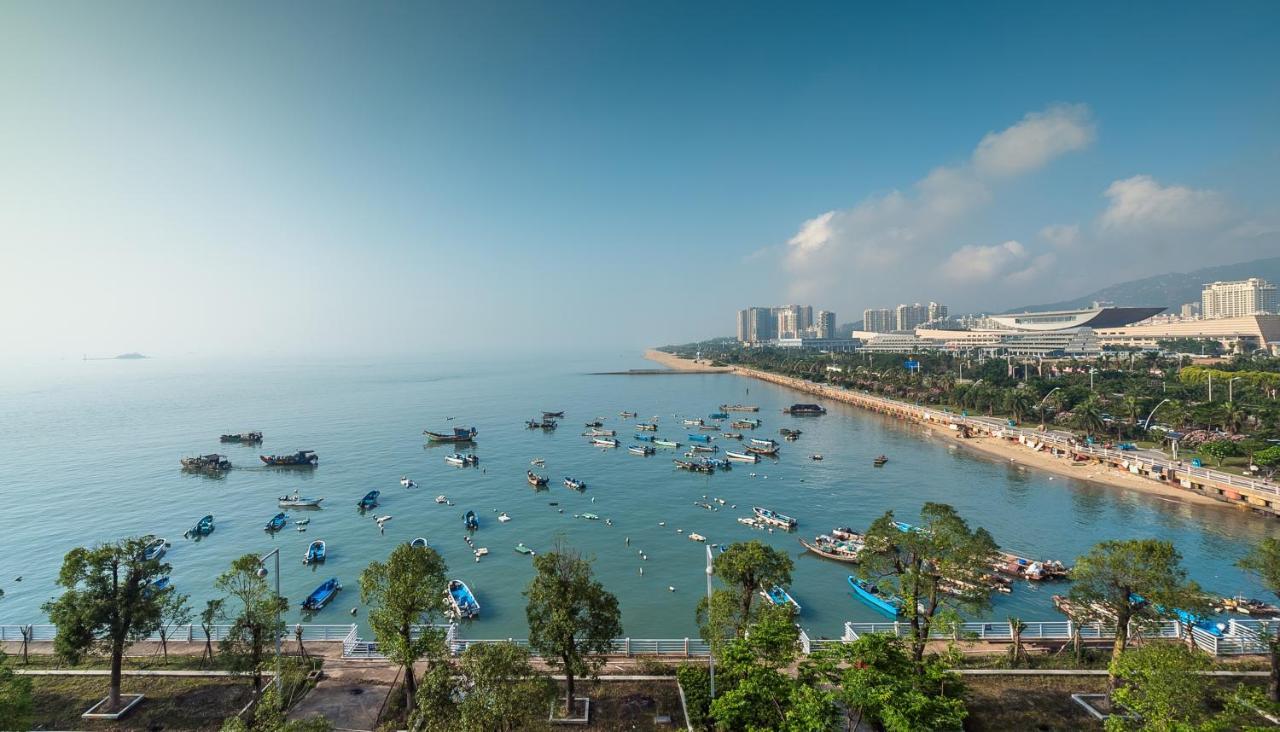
<point>1147,425</point>
<point>262,572</point>
<point>712,653</point>
<point>1092,371</point>
<point>1042,401</point>
<point>1230,390</point>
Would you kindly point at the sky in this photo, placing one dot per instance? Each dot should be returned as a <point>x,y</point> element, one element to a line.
<point>289,178</point>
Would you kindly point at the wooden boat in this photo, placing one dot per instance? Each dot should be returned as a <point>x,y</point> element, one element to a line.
<point>459,434</point>
<point>705,448</point>
<point>774,518</point>
<point>733,435</point>
<point>880,461</point>
<point>1249,606</point>
<point>739,408</point>
<point>762,450</point>
<point>470,521</point>
<point>1024,568</point>
<point>462,602</point>
<point>647,427</point>
<point>316,552</point>
<point>699,438</point>
<point>300,459</point>
<point>599,433</point>
<point>550,415</point>
<point>693,467</point>
<point>522,549</point>
<point>641,450</point>
<point>604,442</point>
<point>294,500</point>
<point>745,457</point>
<point>211,463</point>
<point>592,425</point>
<point>804,410</point>
<point>626,415</point>
<point>535,480</point>
<point>419,543</point>
<point>155,549</point>
<point>829,547</point>
<point>370,500</point>
<point>203,527</point>
<point>659,442</point>
<point>246,437</point>
<point>745,424</point>
<point>718,415</point>
<point>643,438</point>
<point>321,595</point>
<point>277,522</point>
<point>574,483</point>
<point>871,595</point>
<point>780,597</point>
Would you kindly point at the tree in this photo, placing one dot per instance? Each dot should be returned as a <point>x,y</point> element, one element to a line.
<point>406,592</point>
<point>1263,561</point>
<point>1133,579</point>
<point>208,617</point>
<point>16,705</point>
<point>174,611</point>
<point>107,604</point>
<point>1163,687</point>
<point>257,624</point>
<point>1020,404</point>
<point>499,688</point>
<point>931,567</point>
<point>572,618</point>
<point>1267,457</point>
<point>269,717</point>
<point>745,567</point>
<point>1219,450</point>
<point>1233,417</point>
<point>1089,417</point>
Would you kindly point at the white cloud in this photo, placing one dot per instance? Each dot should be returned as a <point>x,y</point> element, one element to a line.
<point>973,263</point>
<point>1034,141</point>
<point>1062,236</point>
<point>1142,203</point>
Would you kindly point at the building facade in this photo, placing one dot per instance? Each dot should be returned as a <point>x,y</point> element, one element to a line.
<point>907,317</point>
<point>937,311</point>
<point>878,320</point>
<point>1253,296</point>
<point>824,326</point>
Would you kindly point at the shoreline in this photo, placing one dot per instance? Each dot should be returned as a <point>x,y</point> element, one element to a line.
<point>1007,451</point>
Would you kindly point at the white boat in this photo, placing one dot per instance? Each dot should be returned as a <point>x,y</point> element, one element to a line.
<point>407,482</point>
<point>441,499</point>
<point>155,549</point>
<point>604,442</point>
<point>462,602</point>
<point>746,457</point>
<point>503,517</point>
<point>538,462</point>
<point>419,543</point>
<point>380,520</point>
<point>295,500</point>
<point>482,551</point>
<point>316,552</point>
<point>697,537</point>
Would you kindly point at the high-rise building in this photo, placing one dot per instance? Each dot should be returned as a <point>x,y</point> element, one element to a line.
<point>756,325</point>
<point>1190,310</point>
<point>793,320</point>
<point>937,312</point>
<point>907,317</point>
<point>878,320</point>
<point>744,326</point>
<point>1253,296</point>
<point>825,325</point>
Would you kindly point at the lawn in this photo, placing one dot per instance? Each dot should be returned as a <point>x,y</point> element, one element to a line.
<point>631,705</point>
<point>1031,703</point>
<point>172,703</point>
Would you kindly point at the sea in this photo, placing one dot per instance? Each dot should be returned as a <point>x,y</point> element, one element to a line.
<point>89,452</point>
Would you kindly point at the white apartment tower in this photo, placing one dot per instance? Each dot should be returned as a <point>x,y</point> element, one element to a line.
<point>825,324</point>
<point>1253,296</point>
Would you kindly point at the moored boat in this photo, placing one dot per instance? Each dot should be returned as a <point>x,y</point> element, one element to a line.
<point>604,442</point>
<point>295,500</point>
<point>1250,606</point>
<point>550,415</point>
<point>574,483</point>
<point>880,461</point>
<point>709,427</point>
<point>459,434</point>
<point>745,424</point>
<point>659,442</point>
<point>805,410</point>
<point>774,518</point>
<point>522,549</point>
<point>1023,568</point>
<point>599,433</point>
<point>246,437</point>
<point>696,537</point>
<point>705,448</point>
<point>779,596</point>
<point>462,602</point>
<point>203,527</point>
<point>277,522</point>
<point>462,461</point>
<point>470,521</point>
<point>596,423</point>
<point>699,438</point>
<point>407,482</point>
<point>370,500</point>
<point>872,596</point>
<point>718,415</point>
<point>321,595</point>
<point>647,427</point>
<point>155,549</point>
<point>300,459</point>
<point>720,463</point>
<point>641,450</point>
<point>739,408</point>
<point>789,433</point>
<point>831,547</point>
<point>745,457</point>
<point>692,422</point>
<point>626,415</point>
<point>541,424</point>
<point>643,438</point>
<point>316,552</point>
<point>211,463</point>
<point>695,467</point>
<point>732,435</point>
<point>535,480</point>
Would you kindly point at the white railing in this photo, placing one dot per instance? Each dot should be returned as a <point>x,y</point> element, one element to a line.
<point>191,632</point>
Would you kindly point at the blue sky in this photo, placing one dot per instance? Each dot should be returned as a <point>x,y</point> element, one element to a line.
<point>246,178</point>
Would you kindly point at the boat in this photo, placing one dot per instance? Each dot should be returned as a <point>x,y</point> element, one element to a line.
<point>316,552</point>
<point>203,527</point>
<point>302,522</point>
<point>693,467</point>
<point>710,428</point>
<point>503,517</point>
<point>871,595</point>
<point>647,427</point>
<point>704,448</point>
<point>816,457</point>
<point>574,483</point>
<point>600,433</point>
<point>763,442</point>
<point>732,435</point>
<point>790,433</point>
<point>1023,568</point>
<point>155,549</point>
<point>407,482</point>
<point>593,425</point>
<point>160,584</point>
<point>461,602</point>
<point>535,480</point>
<point>211,463</point>
<point>380,520</point>
<point>541,424</point>
<point>774,518</point>
<point>370,500</point>
<point>780,597</point>
<point>538,462</point>
<point>626,415</point>
<point>549,415</point>
<point>696,537</point>
<point>692,422</point>
<point>641,450</point>
<point>321,595</point>
<point>880,461</point>
<point>461,460</point>
<point>718,415</point>
<point>419,543</point>
<point>459,434</point>
<point>1249,606</point>
<point>589,516</point>
<point>831,547</point>
<point>643,438</point>
<point>659,442</point>
<point>521,548</point>
<point>470,521</point>
<point>745,457</point>
<point>762,447</point>
<point>699,438</point>
<point>720,463</point>
<point>745,424</point>
<point>804,410</point>
<point>739,408</point>
<point>300,459</point>
<point>442,499</point>
<point>242,437</point>
<point>295,500</point>
<point>604,442</point>
<point>277,522</point>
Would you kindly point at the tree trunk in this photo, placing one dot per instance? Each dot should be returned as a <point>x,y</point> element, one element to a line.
<point>164,643</point>
<point>117,658</point>
<point>1118,646</point>
<point>255,655</point>
<point>1273,682</point>
<point>568,684</point>
<point>409,688</point>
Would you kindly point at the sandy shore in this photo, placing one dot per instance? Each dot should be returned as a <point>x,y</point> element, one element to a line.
<point>675,363</point>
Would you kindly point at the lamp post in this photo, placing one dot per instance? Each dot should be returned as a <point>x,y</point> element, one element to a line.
<point>1092,371</point>
<point>1230,388</point>
<point>1040,408</point>
<point>262,572</point>
<point>1147,424</point>
<point>1210,386</point>
<point>712,654</point>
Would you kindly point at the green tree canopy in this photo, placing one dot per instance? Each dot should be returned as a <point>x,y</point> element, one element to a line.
<point>258,619</point>
<point>1162,689</point>
<point>16,705</point>
<point>498,688</point>
<point>1263,561</point>
<point>1219,450</point>
<point>745,568</point>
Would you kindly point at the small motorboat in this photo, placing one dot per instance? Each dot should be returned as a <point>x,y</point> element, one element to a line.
<point>535,480</point>
<point>316,552</point>
<point>815,456</point>
<point>522,549</point>
<point>871,595</point>
<point>294,500</point>
<point>461,460</point>
<point>880,461</point>
<point>321,595</point>
<point>732,435</point>
<point>589,516</point>
<point>203,527</point>
<point>574,483</point>
<point>640,450</point>
<point>441,499</point>
<point>699,438</point>
<point>626,415</point>
<point>302,522</point>
<point>277,522</point>
<point>407,482</point>
<point>746,457</point>
<point>780,597</point>
<point>419,543</point>
<point>604,442</point>
<point>774,518</point>
<point>370,500</point>
<point>503,517</point>
<point>593,425</point>
<point>155,549</point>
<point>538,462</point>
<point>697,537</point>
<point>470,521</point>
<point>462,602</point>
<point>705,448</point>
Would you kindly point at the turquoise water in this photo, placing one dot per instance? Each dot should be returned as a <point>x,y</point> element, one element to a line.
<point>90,453</point>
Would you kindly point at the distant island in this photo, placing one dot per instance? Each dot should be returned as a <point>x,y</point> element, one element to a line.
<point>122,357</point>
<point>131,355</point>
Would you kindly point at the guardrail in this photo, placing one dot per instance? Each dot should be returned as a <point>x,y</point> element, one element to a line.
<point>189,632</point>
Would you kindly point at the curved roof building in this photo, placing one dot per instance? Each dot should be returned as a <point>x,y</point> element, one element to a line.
<point>1096,317</point>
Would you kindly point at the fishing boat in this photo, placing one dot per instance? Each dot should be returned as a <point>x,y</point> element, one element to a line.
<point>880,461</point>
<point>704,448</point>
<point>461,602</point>
<point>541,424</point>
<point>739,408</point>
<point>470,521</point>
<point>643,438</point>
<point>370,500</point>
<point>647,427</point>
<point>277,522</point>
<point>790,433</point>
<point>831,547</point>
<point>696,537</point>
<point>641,450</point>
<point>300,459</point>
<point>591,425</point>
<point>1250,606</point>
<point>763,442</point>
<point>750,521</point>
<point>659,442</point>
<point>604,442</point>
<point>574,483</point>
<point>461,460</point>
<point>211,463</point>
<point>718,415</point>
<point>316,552</point>
<point>710,428</point>
<point>442,499</point>
<point>155,549</point>
<point>626,415</point>
<point>699,438</point>
<point>693,467</point>
<point>459,434</point>
<point>745,457</point>
<point>1023,568</point>
<point>407,482</point>
<point>692,422</point>
<point>535,480</point>
<point>321,595</point>
<point>774,518</point>
<point>599,433</point>
<point>720,463</point>
<point>780,597</point>
<point>550,415</point>
<point>503,517</point>
<point>732,435</point>
<point>419,543</point>
<point>295,500</point>
<point>522,549</point>
<point>589,516</point>
<point>745,424</point>
<point>203,527</point>
<point>816,457</point>
<point>804,410</point>
<point>871,595</point>
<point>242,437</point>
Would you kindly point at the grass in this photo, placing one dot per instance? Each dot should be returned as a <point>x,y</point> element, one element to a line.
<point>630,705</point>
<point>1031,703</point>
<point>172,703</point>
<point>175,662</point>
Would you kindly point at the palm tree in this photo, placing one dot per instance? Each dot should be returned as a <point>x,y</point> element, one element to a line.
<point>1089,417</point>
<point>1019,403</point>
<point>1132,406</point>
<point>1233,416</point>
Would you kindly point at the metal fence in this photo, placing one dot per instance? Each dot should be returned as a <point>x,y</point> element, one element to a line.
<point>190,632</point>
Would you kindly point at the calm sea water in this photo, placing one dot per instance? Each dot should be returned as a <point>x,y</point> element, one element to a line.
<point>90,453</point>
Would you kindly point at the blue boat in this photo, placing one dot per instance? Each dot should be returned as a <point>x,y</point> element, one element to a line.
<point>462,602</point>
<point>276,523</point>
<point>470,521</point>
<point>321,595</point>
<point>1187,618</point>
<point>718,415</point>
<point>870,594</point>
<point>203,527</point>
<point>644,438</point>
<point>780,597</point>
<point>160,584</point>
<point>370,500</point>
<point>315,553</point>
<point>699,438</point>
